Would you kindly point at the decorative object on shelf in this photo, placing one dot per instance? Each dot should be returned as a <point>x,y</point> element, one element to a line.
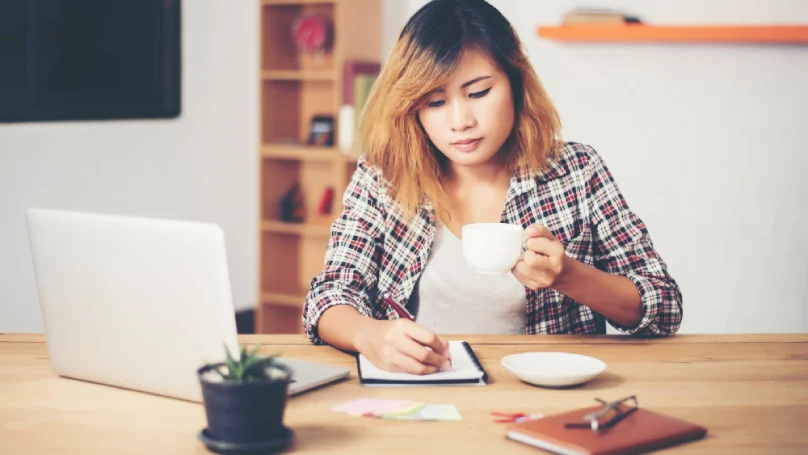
<point>312,35</point>
<point>326,201</point>
<point>293,209</point>
<point>322,130</point>
<point>596,16</point>
<point>358,80</point>
<point>245,401</point>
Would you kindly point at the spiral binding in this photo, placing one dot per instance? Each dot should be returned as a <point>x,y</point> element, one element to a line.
<point>473,357</point>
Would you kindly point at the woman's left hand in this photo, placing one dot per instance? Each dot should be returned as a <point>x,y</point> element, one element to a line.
<point>544,263</point>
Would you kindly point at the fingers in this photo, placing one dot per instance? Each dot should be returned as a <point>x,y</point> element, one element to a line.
<point>528,276</point>
<point>521,272</point>
<point>423,355</point>
<point>406,364</point>
<point>537,261</point>
<point>537,230</point>
<point>426,338</point>
<point>542,261</point>
<point>544,246</point>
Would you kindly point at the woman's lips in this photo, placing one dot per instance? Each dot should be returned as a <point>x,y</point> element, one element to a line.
<point>467,145</point>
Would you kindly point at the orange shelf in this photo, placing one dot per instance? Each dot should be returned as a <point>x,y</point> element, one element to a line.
<point>783,34</point>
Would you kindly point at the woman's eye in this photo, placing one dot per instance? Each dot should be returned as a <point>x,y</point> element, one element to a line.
<point>437,103</point>
<point>480,94</point>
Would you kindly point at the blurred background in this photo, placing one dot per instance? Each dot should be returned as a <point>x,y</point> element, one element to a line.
<point>240,112</point>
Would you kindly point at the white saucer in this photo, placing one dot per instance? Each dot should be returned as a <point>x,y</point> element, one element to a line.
<point>553,369</point>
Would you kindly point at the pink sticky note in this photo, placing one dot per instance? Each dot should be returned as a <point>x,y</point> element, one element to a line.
<point>370,406</point>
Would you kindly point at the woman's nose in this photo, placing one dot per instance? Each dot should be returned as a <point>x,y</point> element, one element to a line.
<point>462,117</point>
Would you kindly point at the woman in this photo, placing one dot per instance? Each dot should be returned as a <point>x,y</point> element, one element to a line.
<point>458,130</point>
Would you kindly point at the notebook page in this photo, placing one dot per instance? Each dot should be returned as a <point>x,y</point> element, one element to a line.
<point>463,367</point>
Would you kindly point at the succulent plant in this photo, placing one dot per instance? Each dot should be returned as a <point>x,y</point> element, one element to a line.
<point>249,366</point>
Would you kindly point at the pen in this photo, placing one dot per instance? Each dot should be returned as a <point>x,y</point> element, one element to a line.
<point>398,308</point>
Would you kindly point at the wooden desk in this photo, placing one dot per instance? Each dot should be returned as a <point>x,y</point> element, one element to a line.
<point>750,391</point>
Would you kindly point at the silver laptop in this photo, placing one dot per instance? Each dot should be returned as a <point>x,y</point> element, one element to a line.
<point>140,303</point>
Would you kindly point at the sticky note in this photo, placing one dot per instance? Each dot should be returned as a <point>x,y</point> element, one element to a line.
<point>406,410</point>
<point>371,407</point>
<point>439,412</point>
<point>429,412</point>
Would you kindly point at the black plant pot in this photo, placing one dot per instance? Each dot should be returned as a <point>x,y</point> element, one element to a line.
<point>245,412</point>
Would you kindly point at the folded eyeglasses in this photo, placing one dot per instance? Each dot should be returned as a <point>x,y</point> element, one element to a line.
<point>609,415</point>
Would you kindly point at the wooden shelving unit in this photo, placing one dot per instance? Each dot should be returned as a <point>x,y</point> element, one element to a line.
<point>295,75</point>
<point>299,152</point>
<point>293,88</point>
<point>311,229</point>
<point>762,34</point>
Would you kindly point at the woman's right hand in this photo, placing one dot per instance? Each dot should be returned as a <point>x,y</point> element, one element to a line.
<point>402,345</point>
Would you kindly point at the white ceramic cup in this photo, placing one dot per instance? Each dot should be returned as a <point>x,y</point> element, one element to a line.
<point>492,248</point>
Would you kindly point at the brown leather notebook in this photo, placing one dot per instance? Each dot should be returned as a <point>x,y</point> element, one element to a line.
<point>641,431</point>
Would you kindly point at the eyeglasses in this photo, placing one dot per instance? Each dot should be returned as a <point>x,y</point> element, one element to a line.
<point>609,415</point>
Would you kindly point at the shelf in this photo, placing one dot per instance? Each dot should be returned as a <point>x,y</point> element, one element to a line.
<point>299,152</point>
<point>294,88</point>
<point>279,51</point>
<point>783,34</point>
<point>285,300</point>
<point>305,153</point>
<point>298,75</point>
<point>295,2</point>
<point>309,229</point>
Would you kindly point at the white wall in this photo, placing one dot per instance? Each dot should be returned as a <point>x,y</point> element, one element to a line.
<point>706,143</point>
<point>200,166</point>
<point>704,140</point>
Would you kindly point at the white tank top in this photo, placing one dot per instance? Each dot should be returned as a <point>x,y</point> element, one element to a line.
<point>451,298</point>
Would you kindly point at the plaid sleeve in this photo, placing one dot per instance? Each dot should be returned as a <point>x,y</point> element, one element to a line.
<point>351,259</point>
<point>623,246</point>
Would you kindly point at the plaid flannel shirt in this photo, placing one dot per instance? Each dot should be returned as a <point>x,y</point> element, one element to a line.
<point>373,249</point>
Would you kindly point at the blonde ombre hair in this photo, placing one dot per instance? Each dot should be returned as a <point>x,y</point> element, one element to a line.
<point>425,55</point>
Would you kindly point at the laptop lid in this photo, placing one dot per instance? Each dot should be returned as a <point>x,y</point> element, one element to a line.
<point>138,303</point>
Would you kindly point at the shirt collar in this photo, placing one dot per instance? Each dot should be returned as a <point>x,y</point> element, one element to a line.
<point>524,178</point>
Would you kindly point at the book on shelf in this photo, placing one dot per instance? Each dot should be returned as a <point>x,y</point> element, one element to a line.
<point>362,85</point>
<point>358,79</point>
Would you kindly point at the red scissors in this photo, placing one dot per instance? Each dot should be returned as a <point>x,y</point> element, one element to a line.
<point>505,417</point>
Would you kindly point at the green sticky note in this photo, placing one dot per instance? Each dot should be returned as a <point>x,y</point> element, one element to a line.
<point>433,412</point>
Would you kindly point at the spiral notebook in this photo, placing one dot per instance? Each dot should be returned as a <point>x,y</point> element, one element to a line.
<point>466,370</point>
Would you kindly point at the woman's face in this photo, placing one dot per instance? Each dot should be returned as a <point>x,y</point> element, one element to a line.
<point>470,118</point>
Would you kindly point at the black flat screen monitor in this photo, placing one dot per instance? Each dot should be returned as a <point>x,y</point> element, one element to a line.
<point>67,60</point>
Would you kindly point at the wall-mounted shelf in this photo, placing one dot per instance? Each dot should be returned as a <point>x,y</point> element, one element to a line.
<point>774,34</point>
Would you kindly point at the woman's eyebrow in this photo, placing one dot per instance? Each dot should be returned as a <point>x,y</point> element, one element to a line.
<point>467,83</point>
<point>476,79</point>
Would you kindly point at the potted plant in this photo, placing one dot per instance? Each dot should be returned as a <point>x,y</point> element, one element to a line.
<point>245,400</point>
